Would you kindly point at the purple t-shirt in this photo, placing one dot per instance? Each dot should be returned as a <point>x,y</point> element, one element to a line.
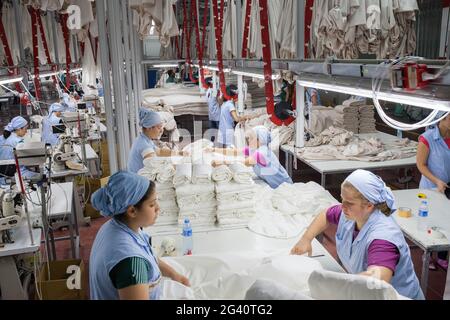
<point>381,253</point>
<point>255,155</point>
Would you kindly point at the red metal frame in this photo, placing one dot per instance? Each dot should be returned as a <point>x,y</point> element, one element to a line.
<point>248,11</point>
<point>218,19</point>
<point>34,31</point>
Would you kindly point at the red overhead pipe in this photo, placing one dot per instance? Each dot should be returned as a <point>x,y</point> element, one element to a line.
<point>34,31</point>
<point>200,47</point>
<point>218,15</point>
<point>8,53</point>
<point>248,11</point>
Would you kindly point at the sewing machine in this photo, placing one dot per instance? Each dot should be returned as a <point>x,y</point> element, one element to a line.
<point>63,152</point>
<point>10,215</point>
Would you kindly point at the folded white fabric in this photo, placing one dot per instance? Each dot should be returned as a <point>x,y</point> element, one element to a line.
<point>245,195</point>
<point>197,201</point>
<point>166,195</point>
<point>183,174</point>
<point>241,173</point>
<point>233,187</point>
<point>156,162</point>
<point>165,173</point>
<point>222,174</point>
<point>191,189</point>
<point>197,220</point>
<point>164,186</point>
<point>328,285</point>
<point>201,173</point>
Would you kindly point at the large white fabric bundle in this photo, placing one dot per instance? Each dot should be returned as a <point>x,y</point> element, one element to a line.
<point>222,174</point>
<point>149,173</point>
<point>168,212</point>
<point>270,290</point>
<point>194,196</point>
<point>229,275</point>
<point>328,285</point>
<point>201,217</point>
<point>165,173</point>
<point>183,174</point>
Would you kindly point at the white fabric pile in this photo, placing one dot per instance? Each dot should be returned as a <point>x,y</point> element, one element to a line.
<point>332,135</point>
<point>198,203</point>
<point>222,174</point>
<point>348,118</point>
<point>367,119</point>
<point>160,169</point>
<point>362,149</point>
<point>183,174</point>
<point>286,211</point>
<point>168,214</point>
<point>236,203</point>
<point>356,116</point>
<point>241,173</point>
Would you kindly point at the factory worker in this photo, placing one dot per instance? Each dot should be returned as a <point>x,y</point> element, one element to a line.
<point>214,103</point>
<point>12,136</point>
<point>433,156</point>
<point>228,116</point>
<point>171,76</point>
<point>433,162</point>
<point>260,156</point>
<point>53,118</point>
<point>368,240</point>
<point>122,264</point>
<point>144,146</point>
<point>312,97</point>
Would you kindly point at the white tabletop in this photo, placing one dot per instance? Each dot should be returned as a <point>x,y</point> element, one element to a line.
<point>68,172</point>
<point>242,239</point>
<point>90,153</point>
<point>33,135</point>
<point>60,203</point>
<point>330,166</point>
<point>22,242</point>
<point>439,216</point>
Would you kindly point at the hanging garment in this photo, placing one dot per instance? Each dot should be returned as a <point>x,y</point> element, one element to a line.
<point>169,27</point>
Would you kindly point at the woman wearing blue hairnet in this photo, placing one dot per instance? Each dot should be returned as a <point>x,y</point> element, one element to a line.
<point>368,240</point>
<point>260,156</point>
<point>12,136</point>
<point>122,264</point>
<point>144,146</point>
<point>228,116</point>
<point>53,118</point>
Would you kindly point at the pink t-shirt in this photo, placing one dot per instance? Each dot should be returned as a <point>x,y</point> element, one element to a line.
<point>381,253</point>
<point>258,156</point>
<point>425,141</point>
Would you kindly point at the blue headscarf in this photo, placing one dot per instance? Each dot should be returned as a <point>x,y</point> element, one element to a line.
<point>56,107</point>
<point>372,187</point>
<point>263,135</point>
<point>148,118</point>
<point>16,123</point>
<point>124,189</point>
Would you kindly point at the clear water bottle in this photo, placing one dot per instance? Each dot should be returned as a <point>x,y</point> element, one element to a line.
<point>422,224</point>
<point>188,242</point>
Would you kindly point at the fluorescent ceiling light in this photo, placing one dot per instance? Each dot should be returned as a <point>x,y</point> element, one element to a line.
<point>76,70</point>
<point>10,80</point>
<point>255,75</point>
<point>387,96</point>
<point>166,65</point>
<point>46,74</point>
<point>214,68</point>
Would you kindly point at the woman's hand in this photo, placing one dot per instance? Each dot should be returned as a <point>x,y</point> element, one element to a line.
<point>441,186</point>
<point>302,246</point>
<point>181,279</point>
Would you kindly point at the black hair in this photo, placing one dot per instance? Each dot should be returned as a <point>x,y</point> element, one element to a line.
<point>6,134</point>
<point>209,81</point>
<point>171,73</point>
<point>140,203</point>
<point>231,90</point>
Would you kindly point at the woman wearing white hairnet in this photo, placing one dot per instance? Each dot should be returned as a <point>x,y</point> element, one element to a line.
<point>259,155</point>
<point>12,136</point>
<point>368,240</point>
<point>144,146</point>
<point>53,118</point>
<point>122,264</point>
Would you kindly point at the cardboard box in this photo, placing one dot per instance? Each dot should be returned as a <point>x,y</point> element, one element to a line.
<point>104,181</point>
<point>65,282</point>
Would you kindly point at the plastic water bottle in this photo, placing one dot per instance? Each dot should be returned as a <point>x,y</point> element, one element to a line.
<point>423,215</point>
<point>188,242</point>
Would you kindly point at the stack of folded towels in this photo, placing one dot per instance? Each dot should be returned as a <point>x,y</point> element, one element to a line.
<point>367,119</point>
<point>347,117</point>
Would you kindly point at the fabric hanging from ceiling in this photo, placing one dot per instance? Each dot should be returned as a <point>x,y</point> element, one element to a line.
<point>229,45</point>
<point>11,33</point>
<point>348,28</point>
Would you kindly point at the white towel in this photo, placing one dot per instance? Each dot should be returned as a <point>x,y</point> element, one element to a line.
<point>222,174</point>
<point>241,173</point>
<point>198,201</point>
<point>247,195</point>
<point>233,187</point>
<point>238,205</point>
<point>156,162</point>
<point>164,186</point>
<point>166,195</point>
<point>165,173</point>
<point>201,173</point>
<point>183,174</point>
<point>190,189</point>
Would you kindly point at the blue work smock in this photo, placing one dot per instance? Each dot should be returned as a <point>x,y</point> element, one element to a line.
<point>226,125</point>
<point>142,146</point>
<point>273,173</point>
